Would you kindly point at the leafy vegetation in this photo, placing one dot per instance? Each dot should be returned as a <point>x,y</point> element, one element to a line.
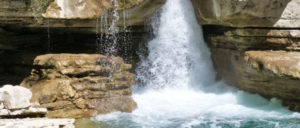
<point>38,7</point>
<point>125,1</point>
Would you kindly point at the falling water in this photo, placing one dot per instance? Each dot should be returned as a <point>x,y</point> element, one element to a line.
<point>180,90</point>
<point>49,46</point>
<point>126,40</point>
<point>178,53</point>
<point>109,26</point>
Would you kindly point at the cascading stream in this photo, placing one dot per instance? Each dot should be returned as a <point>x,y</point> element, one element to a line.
<point>178,56</point>
<point>179,87</point>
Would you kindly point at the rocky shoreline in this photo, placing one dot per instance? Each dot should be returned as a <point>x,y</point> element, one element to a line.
<point>67,86</point>
<point>37,123</point>
<point>16,111</point>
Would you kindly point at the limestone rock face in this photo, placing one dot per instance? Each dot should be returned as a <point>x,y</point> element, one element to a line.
<point>85,9</point>
<point>249,13</point>
<point>68,26</point>
<point>281,63</point>
<point>259,60</point>
<point>81,85</point>
<point>73,13</point>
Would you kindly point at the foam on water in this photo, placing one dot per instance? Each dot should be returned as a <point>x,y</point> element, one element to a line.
<point>180,87</point>
<point>188,108</point>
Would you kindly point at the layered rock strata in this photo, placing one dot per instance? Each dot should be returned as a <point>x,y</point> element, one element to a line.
<point>81,85</point>
<point>248,13</point>
<point>29,28</point>
<point>15,103</point>
<point>255,45</point>
<point>73,13</point>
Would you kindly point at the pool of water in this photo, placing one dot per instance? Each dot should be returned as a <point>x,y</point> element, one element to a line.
<point>184,108</point>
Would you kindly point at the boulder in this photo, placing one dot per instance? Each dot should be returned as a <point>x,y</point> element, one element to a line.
<point>15,97</point>
<point>81,85</point>
<point>15,102</point>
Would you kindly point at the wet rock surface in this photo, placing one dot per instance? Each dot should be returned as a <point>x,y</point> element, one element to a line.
<point>260,73</point>
<point>258,60</point>
<point>255,45</point>
<point>81,85</point>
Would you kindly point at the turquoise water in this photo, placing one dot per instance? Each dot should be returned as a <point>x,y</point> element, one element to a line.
<point>173,108</point>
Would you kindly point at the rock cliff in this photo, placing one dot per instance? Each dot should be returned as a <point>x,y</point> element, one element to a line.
<point>255,45</point>
<point>73,13</point>
<point>248,13</point>
<point>81,85</point>
<point>73,85</point>
<point>29,28</point>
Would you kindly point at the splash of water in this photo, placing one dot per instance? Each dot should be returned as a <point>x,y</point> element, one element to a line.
<point>177,75</point>
<point>178,56</point>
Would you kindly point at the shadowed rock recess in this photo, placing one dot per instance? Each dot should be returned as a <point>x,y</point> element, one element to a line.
<point>25,33</point>
<point>81,85</point>
<point>255,45</point>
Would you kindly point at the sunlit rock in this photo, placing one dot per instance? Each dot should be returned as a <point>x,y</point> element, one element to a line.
<point>15,102</point>
<point>280,63</point>
<point>81,85</point>
<point>77,9</point>
<point>85,9</point>
<point>248,13</point>
<point>15,97</point>
<point>74,13</point>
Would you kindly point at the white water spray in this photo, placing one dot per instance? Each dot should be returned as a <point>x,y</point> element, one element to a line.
<point>178,55</point>
<point>178,62</point>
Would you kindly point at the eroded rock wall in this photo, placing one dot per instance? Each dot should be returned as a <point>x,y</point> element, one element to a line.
<point>249,13</point>
<point>25,33</point>
<point>81,85</point>
<point>255,45</point>
<point>73,85</point>
<point>73,13</point>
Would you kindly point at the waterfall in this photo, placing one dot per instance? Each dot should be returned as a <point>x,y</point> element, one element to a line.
<point>175,76</point>
<point>178,56</point>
